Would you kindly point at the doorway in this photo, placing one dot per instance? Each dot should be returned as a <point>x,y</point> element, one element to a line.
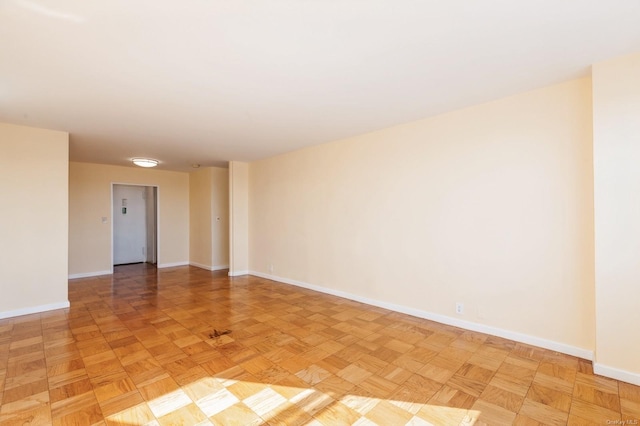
<point>135,233</point>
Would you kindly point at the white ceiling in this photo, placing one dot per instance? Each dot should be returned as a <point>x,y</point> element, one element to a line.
<point>207,81</point>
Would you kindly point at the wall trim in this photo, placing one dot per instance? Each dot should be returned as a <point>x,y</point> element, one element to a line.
<point>34,309</point>
<point>443,319</point>
<point>160,265</point>
<point>238,273</point>
<point>90,274</point>
<point>207,267</point>
<point>616,373</point>
<point>172,264</point>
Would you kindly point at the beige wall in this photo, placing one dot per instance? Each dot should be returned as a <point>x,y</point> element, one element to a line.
<point>616,114</point>
<point>220,218</point>
<point>239,217</point>
<point>491,206</point>
<point>90,200</point>
<point>209,218</point>
<point>33,219</point>
<point>200,195</point>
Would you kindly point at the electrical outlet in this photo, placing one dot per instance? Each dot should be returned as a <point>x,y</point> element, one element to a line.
<point>459,308</point>
<point>270,268</point>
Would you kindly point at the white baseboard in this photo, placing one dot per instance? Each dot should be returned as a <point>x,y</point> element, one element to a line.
<point>209,268</point>
<point>172,265</point>
<point>467,325</point>
<point>238,273</point>
<point>220,267</point>
<point>34,309</point>
<point>160,265</point>
<point>616,373</point>
<point>89,274</point>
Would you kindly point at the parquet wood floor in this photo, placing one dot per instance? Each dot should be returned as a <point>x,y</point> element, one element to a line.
<point>134,348</point>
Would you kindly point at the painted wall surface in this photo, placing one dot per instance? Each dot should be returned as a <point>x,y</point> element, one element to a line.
<point>616,148</point>
<point>200,236</point>
<point>209,218</point>
<point>150,201</point>
<point>220,217</point>
<point>33,219</point>
<point>239,217</point>
<point>491,206</point>
<point>90,200</point>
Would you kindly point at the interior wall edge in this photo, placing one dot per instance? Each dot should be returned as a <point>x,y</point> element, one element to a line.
<point>209,267</point>
<point>239,273</point>
<point>616,373</point>
<point>34,309</point>
<point>172,264</point>
<point>90,274</point>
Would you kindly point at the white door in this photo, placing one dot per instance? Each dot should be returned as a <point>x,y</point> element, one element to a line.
<point>129,224</point>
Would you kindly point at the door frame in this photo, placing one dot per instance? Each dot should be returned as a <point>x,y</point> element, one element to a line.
<point>157,208</point>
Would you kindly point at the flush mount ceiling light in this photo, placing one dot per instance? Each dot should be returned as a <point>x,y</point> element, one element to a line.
<point>144,162</point>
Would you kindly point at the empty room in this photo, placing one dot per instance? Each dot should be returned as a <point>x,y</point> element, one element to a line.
<point>322,213</point>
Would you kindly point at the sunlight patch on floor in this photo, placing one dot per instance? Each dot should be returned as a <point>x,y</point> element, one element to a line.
<point>219,400</point>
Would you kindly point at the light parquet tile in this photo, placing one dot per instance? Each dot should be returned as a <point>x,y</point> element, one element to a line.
<point>492,414</point>
<point>543,413</point>
<point>121,403</point>
<point>502,398</point>
<point>134,348</point>
<point>236,415</point>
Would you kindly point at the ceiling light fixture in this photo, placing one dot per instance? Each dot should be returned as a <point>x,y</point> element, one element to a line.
<point>145,162</point>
